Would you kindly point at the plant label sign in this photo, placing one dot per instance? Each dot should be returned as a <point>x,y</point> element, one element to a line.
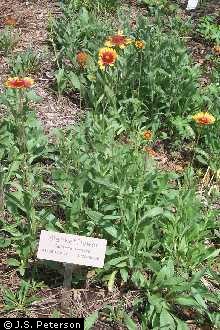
<point>73,249</point>
<point>192,4</point>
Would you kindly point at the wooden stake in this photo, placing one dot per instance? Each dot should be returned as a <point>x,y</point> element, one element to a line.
<point>66,295</point>
<point>68,273</point>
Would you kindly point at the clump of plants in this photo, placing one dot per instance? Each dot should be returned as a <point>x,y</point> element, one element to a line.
<point>22,144</point>
<point>100,178</point>
<point>138,78</point>
<point>8,40</point>
<point>24,63</point>
<point>209,29</point>
<point>100,6</point>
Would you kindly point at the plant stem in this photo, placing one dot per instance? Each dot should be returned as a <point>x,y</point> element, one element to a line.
<point>195,145</point>
<point>140,71</point>
<point>1,191</point>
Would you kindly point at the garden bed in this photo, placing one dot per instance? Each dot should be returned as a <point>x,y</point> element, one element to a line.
<point>114,135</point>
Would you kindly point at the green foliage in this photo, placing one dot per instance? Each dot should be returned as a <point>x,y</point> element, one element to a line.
<point>108,189</point>
<point>8,40</point>
<point>21,299</point>
<point>77,31</point>
<point>152,226</point>
<point>61,81</point>
<point>178,25</point>
<point>23,145</point>
<point>117,175</point>
<point>21,64</point>
<point>209,29</point>
<point>99,6</point>
<point>157,86</point>
<point>97,180</point>
<point>156,7</point>
<point>145,77</point>
<point>90,320</point>
<point>160,4</point>
<point>208,149</point>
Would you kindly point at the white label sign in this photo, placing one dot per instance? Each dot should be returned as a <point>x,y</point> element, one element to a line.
<point>74,249</point>
<point>192,4</point>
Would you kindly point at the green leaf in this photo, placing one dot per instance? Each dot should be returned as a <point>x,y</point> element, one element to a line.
<point>139,279</point>
<point>124,274</point>
<point>13,262</point>
<point>186,301</point>
<point>170,268</point>
<point>75,82</point>
<point>111,217</point>
<point>181,325</point>
<point>84,16</point>
<point>90,320</point>
<point>14,201</point>
<point>199,298</point>
<point>154,212</point>
<point>201,160</point>
<point>116,261</point>
<point>111,281</point>
<point>129,323</point>
<point>56,314</point>
<point>213,253</point>
<point>166,320</point>
<point>111,231</point>
<point>5,242</point>
<point>105,183</point>
<point>198,275</point>
<point>32,96</point>
<point>94,215</point>
<point>110,93</point>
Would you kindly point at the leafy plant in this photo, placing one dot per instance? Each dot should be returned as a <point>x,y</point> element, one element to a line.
<point>24,63</point>
<point>143,85</point>
<point>90,320</point>
<point>143,77</point>
<point>209,29</point>
<point>76,32</point>
<point>61,81</point>
<point>20,300</point>
<point>109,5</point>
<point>28,145</point>
<point>8,40</point>
<point>154,3</point>
<point>98,178</point>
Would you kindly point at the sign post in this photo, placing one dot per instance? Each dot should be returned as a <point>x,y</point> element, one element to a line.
<point>71,250</point>
<point>192,4</point>
<point>68,274</point>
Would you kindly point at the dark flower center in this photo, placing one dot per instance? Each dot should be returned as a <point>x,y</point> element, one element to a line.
<point>108,58</point>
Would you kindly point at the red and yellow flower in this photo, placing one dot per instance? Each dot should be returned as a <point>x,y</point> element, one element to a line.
<point>19,83</point>
<point>107,57</point>
<point>204,118</point>
<point>147,135</point>
<point>139,44</point>
<point>151,152</point>
<point>118,40</point>
<point>11,21</point>
<point>82,58</point>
